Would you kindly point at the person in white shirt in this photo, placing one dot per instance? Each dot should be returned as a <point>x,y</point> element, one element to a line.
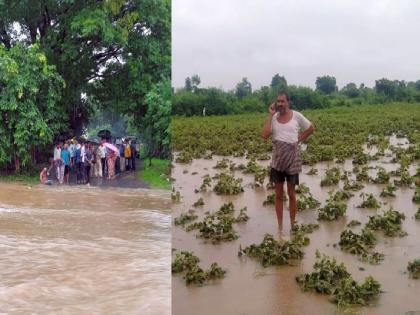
<point>57,161</point>
<point>284,125</point>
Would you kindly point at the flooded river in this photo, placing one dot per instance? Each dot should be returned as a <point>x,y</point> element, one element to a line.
<point>248,288</point>
<point>80,250</point>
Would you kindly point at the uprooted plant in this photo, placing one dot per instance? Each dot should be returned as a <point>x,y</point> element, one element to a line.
<point>332,278</point>
<point>413,268</point>
<point>389,222</point>
<point>228,185</point>
<point>271,252</point>
<point>369,201</point>
<point>187,263</point>
<point>218,226</point>
<point>332,210</point>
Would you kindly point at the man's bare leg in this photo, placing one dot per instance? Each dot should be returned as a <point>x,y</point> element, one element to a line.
<point>279,203</point>
<point>292,203</point>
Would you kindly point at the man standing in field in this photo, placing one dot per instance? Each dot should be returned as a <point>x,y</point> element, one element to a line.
<point>284,125</point>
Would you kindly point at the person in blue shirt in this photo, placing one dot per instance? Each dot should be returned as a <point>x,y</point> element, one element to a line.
<point>80,169</point>
<point>65,156</point>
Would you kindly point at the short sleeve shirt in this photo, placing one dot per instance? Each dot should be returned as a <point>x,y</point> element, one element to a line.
<point>65,155</point>
<point>289,132</point>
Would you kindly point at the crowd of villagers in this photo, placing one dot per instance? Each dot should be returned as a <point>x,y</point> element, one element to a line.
<point>87,159</point>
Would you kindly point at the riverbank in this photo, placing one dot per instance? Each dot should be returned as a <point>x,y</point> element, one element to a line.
<point>155,176</point>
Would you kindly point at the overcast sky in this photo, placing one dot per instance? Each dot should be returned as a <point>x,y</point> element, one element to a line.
<point>355,41</point>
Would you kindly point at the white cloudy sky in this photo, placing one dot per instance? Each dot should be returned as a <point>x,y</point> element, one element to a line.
<point>354,40</point>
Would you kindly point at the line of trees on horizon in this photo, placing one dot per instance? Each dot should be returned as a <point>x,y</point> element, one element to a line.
<point>191,99</point>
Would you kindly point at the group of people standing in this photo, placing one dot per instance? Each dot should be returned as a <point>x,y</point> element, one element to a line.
<point>86,160</point>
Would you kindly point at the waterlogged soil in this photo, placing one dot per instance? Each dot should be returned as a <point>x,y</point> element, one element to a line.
<point>248,288</point>
<point>79,250</point>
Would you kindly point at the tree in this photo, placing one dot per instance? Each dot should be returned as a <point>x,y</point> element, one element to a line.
<point>243,88</point>
<point>155,125</point>
<point>195,82</point>
<point>350,90</point>
<point>30,90</point>
<point>326,84</point>
<point>278,84</point>
<point>113,50</point>
<point>188,84</point>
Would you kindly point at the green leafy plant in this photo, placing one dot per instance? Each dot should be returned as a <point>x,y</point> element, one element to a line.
<point>199,202</point>
<point>333,279</point>
<point>389,222</point>
<point>353,223</point>
<point>187,263</point>
<point>271,252</point>
<point>185,218</point>
<point>228,185</point>
<point>413,268</point>
<point>369,201</point>
<point>357,243</point>
<point>332,177</point>
<point>332,211</point>
<point>388,191</point>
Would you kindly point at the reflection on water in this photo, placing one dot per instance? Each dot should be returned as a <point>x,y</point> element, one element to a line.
<point>251,289</point>
<point>84,251</point>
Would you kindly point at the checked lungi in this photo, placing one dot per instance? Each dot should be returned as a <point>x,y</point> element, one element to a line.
<point>286,157</point>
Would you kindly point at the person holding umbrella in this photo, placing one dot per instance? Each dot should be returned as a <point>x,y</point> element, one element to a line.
<point>112,156</point>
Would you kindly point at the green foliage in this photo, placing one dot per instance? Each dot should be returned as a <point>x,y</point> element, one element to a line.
<point>218,227</point>
<point>307,201</point>
<point>340,133</point>
<point>206,183</point>
<point>351,293</point>
<point>175,196</point>
<point>270,200</point>
<point>185,218</point>
<point>199,202</point>
<point>417,215</point>
<point>187,262</point>
<point>382,177</point>
<point>332,177</point>
<point>369,201</point>
<point>183,261</point>
<point>155,124</point>
<point>373,258</point>
<point>332,278</point>
<point>326,276</point>
<point>326,84</point>
<point>353,223</point>
<point>413,268</point>
<point>357,243</point>
<point>29,103</point>
<point>332,210</point>
<point>272,252</point>
<point>156,174</point>
<point>228,185</point>
<point>416,197</point>
<point>389,222</point>
<point>243,88</point>
<point>388,191</point>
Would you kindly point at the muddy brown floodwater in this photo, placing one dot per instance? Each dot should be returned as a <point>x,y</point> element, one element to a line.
<point>248,288</point>
<point>79,250</point>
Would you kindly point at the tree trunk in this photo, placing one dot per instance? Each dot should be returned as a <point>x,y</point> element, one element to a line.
<point>17,163</point>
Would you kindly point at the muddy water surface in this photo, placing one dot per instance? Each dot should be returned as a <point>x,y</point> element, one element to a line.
<point>84,250</point>
<point>251,289</point>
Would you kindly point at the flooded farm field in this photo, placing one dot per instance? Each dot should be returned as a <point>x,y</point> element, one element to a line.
<point>78,250</point>
<point>249,288</point>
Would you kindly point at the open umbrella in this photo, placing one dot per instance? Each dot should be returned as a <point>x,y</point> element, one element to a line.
<point>111,147</point>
